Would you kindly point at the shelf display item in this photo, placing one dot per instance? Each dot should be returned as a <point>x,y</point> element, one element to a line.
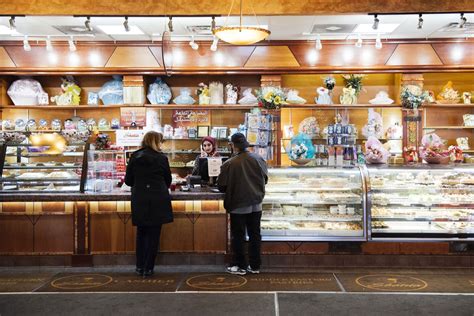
<point>258,130</point>
<point>455,154</point>
<point>448,95</point>
<point>106,170</point>
<point>216,93</point>
<point>303,204</point>
<point>422,201</point>
<point>394,131</point>
<point>468,120</point>
<point>7,125</point>
<point>43,98</point>
<point>152,120</point>
<point>159,92</point>
<point>463,142</point>
<point>31,125</point>
<point>466,97</point>
<point>115,123</point>
<point>103,124</point>
<point>112,91</point>
<point>203,94</point>
<point>323,96</point>
<point>248,97</point>
<point>20,125</point>
<point>348,96</point>
<point>184,97</point>
<point>12,137</point>
<point>293,97</point>
<point>75,137</point>
<point>92,98</point>
<point>374,126</point>
<point>91,124</point>
<point>56,124</point>
<point>43,125</point>
<point>25,92</point>
<point>433,151</point>
<point>301,149</point>
<point>309,126</point>
<point>133,90</point>
<point>71,93</point>
<point>381,98</point>
<point>413,97</point>
<point>231,93</point>
<point>375,153</point>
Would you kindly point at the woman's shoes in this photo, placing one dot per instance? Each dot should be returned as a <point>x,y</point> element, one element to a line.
<point>139,272</point>
<point>147,273</point>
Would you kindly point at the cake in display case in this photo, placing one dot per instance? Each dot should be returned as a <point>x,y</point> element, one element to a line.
<point>314,204</point>
<point>422,201</point>
<point>26,168</point>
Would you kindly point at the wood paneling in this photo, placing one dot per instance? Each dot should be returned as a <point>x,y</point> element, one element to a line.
<point>414,54</point>
<point>212,7</point>
<point>455,54</point>
<point>60,57</point>
<point>54,234</point>
<point>341,55</point>
<point>16,234</point>
<point>210,233</point>
<point>107,233</point>
<point>135,57</point>
<point>177,236</point>
<point>271,56</point>
<point>5,60</point>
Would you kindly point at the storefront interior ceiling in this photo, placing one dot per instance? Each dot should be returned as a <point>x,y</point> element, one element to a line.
<point>330,27</point>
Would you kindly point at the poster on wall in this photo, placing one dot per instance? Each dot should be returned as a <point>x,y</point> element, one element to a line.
<point>132,116</point>
<point>191,118</point>
<point>131,137</point>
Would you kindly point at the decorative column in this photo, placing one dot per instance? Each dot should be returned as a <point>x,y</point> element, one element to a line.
<point>412,126</point>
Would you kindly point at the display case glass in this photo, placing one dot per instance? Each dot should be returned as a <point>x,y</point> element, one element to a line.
<point>422,201</point>
<point>105,170</point>
<point>314,204</point>
<point>27,168</point>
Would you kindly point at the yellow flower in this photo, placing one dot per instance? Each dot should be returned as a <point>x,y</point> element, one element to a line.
<point>277,100</point>
<point>268,96</point>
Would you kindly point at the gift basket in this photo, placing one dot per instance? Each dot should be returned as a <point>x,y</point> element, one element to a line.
<point>433,150</point>
<point>159,92</point>
<point>375,153</point>
<point>25,92</point>
<point>301,149</point>
<point>112,91</point>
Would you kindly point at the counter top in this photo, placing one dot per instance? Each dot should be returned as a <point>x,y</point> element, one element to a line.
<point>193,194</point>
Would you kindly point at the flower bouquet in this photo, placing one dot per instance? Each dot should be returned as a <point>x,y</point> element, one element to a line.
<point>413,97</point>
<point>102,142</point>
<point>271,98</point>
<point>354,81</point>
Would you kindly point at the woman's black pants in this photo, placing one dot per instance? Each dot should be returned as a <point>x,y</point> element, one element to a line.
<point>148,243</point>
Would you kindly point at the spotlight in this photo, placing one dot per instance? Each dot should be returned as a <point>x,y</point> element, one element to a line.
<point>88,25</point>
<point>12,23</point>
<point>318,45</point>
<point>463,21</point>
<point>376,22</point>
<point>420,21</point>
<point>49,45</point>
<point>26,45</point>
<point>213,23</point>
<point>125,25</point>
<point>72,46</point>
<point>170,24</point>
<point>193,44</point>
<point>214,44</point>
<point>378,42</point>
<point>358,44</point>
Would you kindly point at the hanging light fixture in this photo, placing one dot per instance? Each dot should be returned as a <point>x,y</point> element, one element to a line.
<point>358,44</point>
<point>318,43</point>
<point>376,22</point>
<point>214,44</point>
<point>193,44</point>
<point>12,23</point>
<point>125,25</point>
<point>242,34</point>
<point>420,21</point>
<point>26,44</point>
<point>87,24</point>
<point>378,42</point>
<point>49,45</point>
<point>170,24</point>
<point>72,46</point>
<point>462,21</point>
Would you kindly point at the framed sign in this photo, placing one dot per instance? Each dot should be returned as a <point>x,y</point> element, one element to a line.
<point>132,137</point>
<point>133,116</point>
<point>203,131</point>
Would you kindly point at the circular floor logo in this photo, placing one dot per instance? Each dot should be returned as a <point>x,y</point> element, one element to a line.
<point>396,283</point>
<point>216,281</point>
<point>81,281</point>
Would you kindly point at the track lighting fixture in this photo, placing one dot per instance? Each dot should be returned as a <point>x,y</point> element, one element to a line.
<point>213,23</point>
<point>378,42</point>
<point>318,45</point>
<point>26,44</point>
<point>214,44</point>
<point>72,46</point>
<point>88,25</point>
<point>125,25</point>
<point>49,45</point>
<point>420,21</point>
<point>193,44</point>
<point>12,23</point>
<point>462,21</point>
<point>170,24</point>
<point>376,22</point>
<point>358,44</point>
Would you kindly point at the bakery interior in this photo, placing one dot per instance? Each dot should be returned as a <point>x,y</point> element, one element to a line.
<point>365,118</point>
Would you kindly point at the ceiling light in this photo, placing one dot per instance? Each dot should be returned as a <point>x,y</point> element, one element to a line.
<point>213,23</point>
<point>382,28</point>
<point>375,26</point>
<point>125,25</point>
<point>12,23</point>
<point>214,44</point>
<point>462,21</point>
<point>318,45</point>
<point>420,21</point>
<point>72,46</point>
<point>193,44</point>
<point>120,30</point>
<point>88,25</point>
<point>241,34</point>
<point>170,24</point>
<point>26,45</point>
<point>49,45</point>
<point>378,42</point>
<point>358,44</point>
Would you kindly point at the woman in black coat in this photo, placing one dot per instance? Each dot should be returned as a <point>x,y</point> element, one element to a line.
<point>149,175</point>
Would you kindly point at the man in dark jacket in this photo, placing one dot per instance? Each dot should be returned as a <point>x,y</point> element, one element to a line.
<point>149,175</point>
<point>243,178</point>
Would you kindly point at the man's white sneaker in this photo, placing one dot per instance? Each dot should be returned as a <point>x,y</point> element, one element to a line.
<point>236,270</point>
<point>253,271</point>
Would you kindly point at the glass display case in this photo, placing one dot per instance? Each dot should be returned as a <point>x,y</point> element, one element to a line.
<point>422,201</point>
<point>27,168</point>
<point>105,170</point>
<point>316,203</point>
